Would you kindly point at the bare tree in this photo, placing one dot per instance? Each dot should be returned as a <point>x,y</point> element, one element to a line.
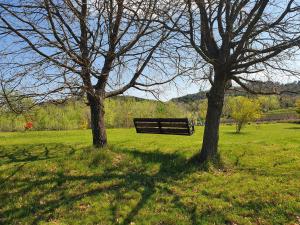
<point>56,48</point>
<point>244,42</point>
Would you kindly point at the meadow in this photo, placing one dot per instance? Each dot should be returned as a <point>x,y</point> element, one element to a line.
<point>56,177</point>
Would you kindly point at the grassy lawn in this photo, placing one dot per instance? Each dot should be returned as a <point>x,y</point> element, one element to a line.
<point>54,177</point>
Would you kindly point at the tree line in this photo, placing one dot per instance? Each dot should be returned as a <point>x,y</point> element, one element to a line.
<point>74,114</point>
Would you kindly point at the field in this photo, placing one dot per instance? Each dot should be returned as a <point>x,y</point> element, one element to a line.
<point>55,177</point>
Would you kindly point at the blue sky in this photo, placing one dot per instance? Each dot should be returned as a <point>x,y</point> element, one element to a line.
<point>168,92</point>
<point>184,87</point>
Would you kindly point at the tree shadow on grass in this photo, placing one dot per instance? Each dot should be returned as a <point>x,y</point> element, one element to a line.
<point>29,153</point>
<point>172,168</point>
<point>19,157</point>
<point>113,180</point>
<point>235,133</point>
<point>32,196</point>
<point>18,169</point>
<point>293,128</point>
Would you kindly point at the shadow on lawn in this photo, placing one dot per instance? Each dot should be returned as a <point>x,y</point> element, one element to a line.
<point>293,128</point>
<point>172,168</point>
<point>235,133</point>
<point>28,153</point>
<point>22,155</point>
<point>33,193</point>
<point>59,183</point>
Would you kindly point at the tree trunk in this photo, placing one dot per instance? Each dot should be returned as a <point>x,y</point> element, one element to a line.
<point>97,121</point>
<point>239,127</point>
<point>214,110</point>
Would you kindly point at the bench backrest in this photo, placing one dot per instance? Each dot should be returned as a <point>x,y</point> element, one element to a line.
<point>178,126</point>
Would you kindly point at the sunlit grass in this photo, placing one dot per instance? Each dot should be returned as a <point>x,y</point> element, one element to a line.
<point>57,178</point>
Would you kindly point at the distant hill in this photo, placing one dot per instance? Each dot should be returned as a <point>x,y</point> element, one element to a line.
<point>291,89</point>
<point>190,97</point>
<point>128,97</point>
<point>83,99</point>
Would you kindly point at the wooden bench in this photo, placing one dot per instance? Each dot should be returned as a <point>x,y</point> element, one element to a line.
<point>176,126</point>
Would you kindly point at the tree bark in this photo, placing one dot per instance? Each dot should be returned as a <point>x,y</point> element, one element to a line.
<point>97,121</point>
<point>211,132</point>
<point>239,127</point>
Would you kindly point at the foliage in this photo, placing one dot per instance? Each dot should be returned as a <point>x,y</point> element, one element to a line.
<point>56,117</point>
<point>226,111</point>
<point>76,114</point>
<point>268,103</point>
<point>244,110</point>
<point>119,112</point>
<point>13,108</point>
<point>297,104</point>
<point>202,110</point>
<point>14,101</point>
<point>196,110</point>
<point>55,177</point>
<point>28,125</point>
<point>10,121</point>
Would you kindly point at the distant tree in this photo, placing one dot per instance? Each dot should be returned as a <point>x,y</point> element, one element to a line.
<point>197,110</point>
<point>226,108</point>
<point>297,104</point>
<point>269,103</point>
<point>287,101</point>
<point>244,110</point>
<point>14,101</point>
<point>202,110</point>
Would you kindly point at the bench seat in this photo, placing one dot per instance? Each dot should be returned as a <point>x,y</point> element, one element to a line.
<point>174,126</point>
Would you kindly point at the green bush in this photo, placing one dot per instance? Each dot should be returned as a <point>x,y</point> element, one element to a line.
<point>244,110</point>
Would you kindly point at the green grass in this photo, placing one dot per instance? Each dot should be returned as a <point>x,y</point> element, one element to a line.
<point>57,178</point>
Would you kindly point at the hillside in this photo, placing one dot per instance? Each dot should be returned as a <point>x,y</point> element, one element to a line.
<point>290,89</point>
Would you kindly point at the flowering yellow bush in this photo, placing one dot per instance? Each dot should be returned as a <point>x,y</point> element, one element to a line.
<point>244,110</point>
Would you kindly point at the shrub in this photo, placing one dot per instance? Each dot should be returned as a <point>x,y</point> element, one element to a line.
<point>244,110</point>
<point>28,125</point>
